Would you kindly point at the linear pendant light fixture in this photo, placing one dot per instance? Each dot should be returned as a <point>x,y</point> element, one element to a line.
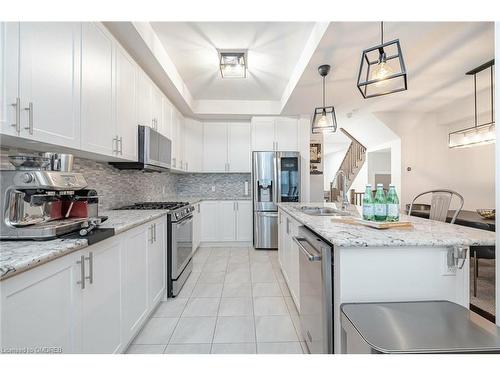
<point>324,120</point>
<point>478,134</point>
<point>382,69</point>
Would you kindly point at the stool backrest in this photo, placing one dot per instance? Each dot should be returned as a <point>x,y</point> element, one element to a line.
<point>440,204</point>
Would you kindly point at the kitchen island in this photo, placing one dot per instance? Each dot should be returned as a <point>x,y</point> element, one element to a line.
<point>372,265</point>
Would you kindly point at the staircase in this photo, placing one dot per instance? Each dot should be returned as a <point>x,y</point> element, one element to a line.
<point>353,161</point>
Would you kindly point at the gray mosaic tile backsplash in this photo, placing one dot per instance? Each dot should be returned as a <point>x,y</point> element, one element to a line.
<point>117,188</point>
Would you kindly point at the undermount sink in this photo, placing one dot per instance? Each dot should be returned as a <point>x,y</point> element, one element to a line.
<point>323,211</point>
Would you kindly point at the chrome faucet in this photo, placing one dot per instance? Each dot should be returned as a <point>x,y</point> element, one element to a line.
<point>345,200</point>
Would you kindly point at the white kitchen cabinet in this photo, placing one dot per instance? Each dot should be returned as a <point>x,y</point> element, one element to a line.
<point>156,108</point>
<point>134,279</point>
<point>42,70</point>
<point>209,221</point>
<point>196,226</point>
<point>177,140</point>
<point>125,105</point>
<point>263,134</point>
<point>239,147</point>
<point>166,115</point>
<point>41,308</point>
<point>226,221</point>
<point>244,220</point>
<point>98,130</point>
<point>288,254</point>
<point>157,260</point>
<point>215,147</point>
<point>193,145</point>
<point>286,134</point>
<point>144,100</point>
<point>275,134</point>
<point>101,302</point>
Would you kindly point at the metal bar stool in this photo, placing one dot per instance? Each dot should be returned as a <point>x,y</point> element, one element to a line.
<point>440,204</point>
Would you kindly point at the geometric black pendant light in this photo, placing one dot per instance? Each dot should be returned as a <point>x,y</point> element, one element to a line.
<point>324,120</point>
<point>382,69</point>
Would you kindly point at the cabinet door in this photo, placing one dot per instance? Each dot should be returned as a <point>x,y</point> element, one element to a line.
<point>193,144</point>
<point>125,104</point>
<point>41,308</point>
<point>196,226</point>
<point>166,114</point>
<point>49,79</point>
<point>263,134</point>
<point>97,91</point>
<point>226,218</point>
<point>209,217</point>
<point>280,237</point>
<point>134,280</point>
<point>101,299</point>
<point>294,273</point>
<point>286,134</point>
<point>175,138</point>
<point>215,147</point>
<point>239,144</point>
<point>244,221</point>
<point>156,108</point>
<point>157,261</point>
<point>144,100</point>
<point>180,142</point>
<point>9,77</point>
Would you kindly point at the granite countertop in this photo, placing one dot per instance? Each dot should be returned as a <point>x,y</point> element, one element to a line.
<point>424,232</point>
<point>19,256</point>
<point>194,200</point>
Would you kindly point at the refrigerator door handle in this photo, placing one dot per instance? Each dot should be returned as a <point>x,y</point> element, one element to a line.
<point>277,179</point>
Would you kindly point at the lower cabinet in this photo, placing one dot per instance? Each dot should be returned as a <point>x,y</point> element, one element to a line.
<point>101,307</point>
<point>91,301</point>
<point>226,221</point>
<point>288,254</point>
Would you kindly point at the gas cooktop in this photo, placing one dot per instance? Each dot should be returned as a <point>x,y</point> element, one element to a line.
<point>155,206</point>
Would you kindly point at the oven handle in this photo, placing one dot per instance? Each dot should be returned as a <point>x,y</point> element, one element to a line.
<point>184,221</point>
<point>310,257</point>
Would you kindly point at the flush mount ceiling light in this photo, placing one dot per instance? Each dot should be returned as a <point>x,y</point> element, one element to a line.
<point>233,64</point>
<point>382,69</point>
<point>478,134</point>
<point>324,120</point>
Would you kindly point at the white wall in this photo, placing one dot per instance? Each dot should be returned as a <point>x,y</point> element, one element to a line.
<point>379,162</point>
<point>424,148</point>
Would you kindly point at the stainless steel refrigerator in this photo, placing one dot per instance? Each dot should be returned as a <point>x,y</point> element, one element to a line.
<point>276,179</point>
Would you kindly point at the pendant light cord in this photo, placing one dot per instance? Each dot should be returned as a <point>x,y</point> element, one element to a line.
<point>475,102</point>
<point>324,91</point>
<point>382,32</point>
<point>491,86</point>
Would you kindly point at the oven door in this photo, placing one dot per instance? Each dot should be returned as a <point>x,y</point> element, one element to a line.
<point>182,245</point>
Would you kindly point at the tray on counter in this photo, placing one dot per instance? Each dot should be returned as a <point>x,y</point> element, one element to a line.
<point>377,224</point>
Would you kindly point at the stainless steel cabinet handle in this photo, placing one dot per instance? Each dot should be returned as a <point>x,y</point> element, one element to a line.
<point>90,258</point>
<point>154,232</point>
<point>29,108</point>
<point>17,105</point>
<point>150,239</point>
<point>115,145</point>
<point>186,166</point>
<point>237,206</point>
<point>81,262</point>
<point>287,226</point>
<point>121,145</point>
<point>310,257</point>
<point>198,207</point>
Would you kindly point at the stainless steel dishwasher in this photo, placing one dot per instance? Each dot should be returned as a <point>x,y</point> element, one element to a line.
<point>316,293</point>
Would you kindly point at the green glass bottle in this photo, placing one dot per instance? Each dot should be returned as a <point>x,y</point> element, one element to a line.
<point>380,204</point>
<point>392,204</point>
<point>368,204</point>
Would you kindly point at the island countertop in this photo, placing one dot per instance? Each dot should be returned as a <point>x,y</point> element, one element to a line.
<point>20,256</point>
<point>424,232</point>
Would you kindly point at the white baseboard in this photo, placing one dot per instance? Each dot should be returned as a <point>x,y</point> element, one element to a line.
<point>226,244</point>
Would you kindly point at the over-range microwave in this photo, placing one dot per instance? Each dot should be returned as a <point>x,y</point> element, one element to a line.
<point>154,152</point>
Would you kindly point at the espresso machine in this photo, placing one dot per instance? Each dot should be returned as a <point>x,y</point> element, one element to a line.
<point>43,204</point>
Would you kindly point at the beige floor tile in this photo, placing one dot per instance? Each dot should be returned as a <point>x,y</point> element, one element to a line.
<point>266,290</point>
<point>237,290</point>
<point>145,349</point>
<point>238,306</point>
<point>156,331</point>
<point>201,307</point>
<point>234,329</point>
<point>212,277</point>
<point>199,330</point>
<point>188,349</point>
<point>279,348</point>
<point>171,308</point>
<point>207,290</point>
<point>269,306</point>
<point>240,348</point>
<point>275,329</point>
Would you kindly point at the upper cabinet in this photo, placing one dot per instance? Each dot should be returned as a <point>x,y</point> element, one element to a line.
<point>144,100</point>
<point>166,115</point>
<point>275,134</point>
<point>42,81</point>
<point>193,145</point>
<point>226,147</point>
<point>98,130</point>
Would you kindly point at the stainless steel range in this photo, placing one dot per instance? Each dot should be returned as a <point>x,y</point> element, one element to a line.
<point>179,240</point>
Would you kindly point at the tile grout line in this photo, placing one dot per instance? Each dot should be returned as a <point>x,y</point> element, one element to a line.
<point>218,309</point>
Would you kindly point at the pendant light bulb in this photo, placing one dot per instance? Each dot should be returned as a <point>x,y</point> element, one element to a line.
<point>381,71</point>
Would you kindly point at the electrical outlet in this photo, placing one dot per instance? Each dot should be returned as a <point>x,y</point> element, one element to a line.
<point>448,267</point>
<point>213,187</point>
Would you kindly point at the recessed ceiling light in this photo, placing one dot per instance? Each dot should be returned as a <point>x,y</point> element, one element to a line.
<point>233,64</point>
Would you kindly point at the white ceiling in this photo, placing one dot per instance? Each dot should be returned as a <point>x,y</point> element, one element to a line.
<point>273,51</point>
<point>437,55</point>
